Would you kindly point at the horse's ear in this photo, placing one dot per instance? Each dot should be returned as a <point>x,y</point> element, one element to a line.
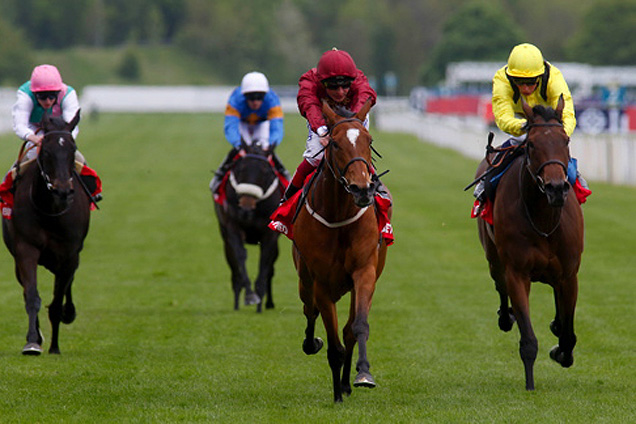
<point>527,110</point>
<point>362,113</point>
<point>330,115</point>
<point>71,125</point>
<point>560,106</point>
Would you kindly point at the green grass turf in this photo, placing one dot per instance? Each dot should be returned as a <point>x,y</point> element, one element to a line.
<point>156,339</point>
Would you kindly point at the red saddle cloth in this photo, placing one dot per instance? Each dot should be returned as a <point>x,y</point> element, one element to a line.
<point>6,191</point>
<point>281,219</point>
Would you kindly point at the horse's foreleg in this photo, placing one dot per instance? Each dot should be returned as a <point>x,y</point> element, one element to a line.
<point>26,272</point>
<point>263,284</point>
<point>364,286</point>
<point>335,350</point>
<point>565,300</point>
<point>506,316</point>
<point>236,255</point>
<point>311,344</point>
<point>519,289</point>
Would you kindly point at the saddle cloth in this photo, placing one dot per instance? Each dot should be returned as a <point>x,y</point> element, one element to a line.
<point>282,218</point>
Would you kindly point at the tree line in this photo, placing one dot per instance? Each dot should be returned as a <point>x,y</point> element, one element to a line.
<point>412,39</point>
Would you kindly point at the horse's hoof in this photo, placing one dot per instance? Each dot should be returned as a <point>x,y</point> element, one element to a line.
<point>506,320</point>
<point>68,313</point>
<point>55,351</point>
<point>555,328</point>
<point>32,349</point>
<point>364,379</point>
<point>312,347</point>
<point>557,355</point>
<point>252,299</point>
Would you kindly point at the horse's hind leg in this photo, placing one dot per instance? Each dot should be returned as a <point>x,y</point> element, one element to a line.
<point>563,325</point>
<point>263,283</point>
<point>350,342</point>
<point>236,255</point>
<point>59,312</point>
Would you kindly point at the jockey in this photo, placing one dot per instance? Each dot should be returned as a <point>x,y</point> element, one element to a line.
<point>253,115</point>
<point>538,82</point>
<point>341,83</point>
<point>45,92</point>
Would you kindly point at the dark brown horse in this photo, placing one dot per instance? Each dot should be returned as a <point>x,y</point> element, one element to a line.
<point>537,235</point>
<point>338,248</point>
<point>253,191</point>
<point>48,226</point>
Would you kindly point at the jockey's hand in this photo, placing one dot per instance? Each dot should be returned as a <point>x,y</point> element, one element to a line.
<point>35,139</point>
<point>324,140</point>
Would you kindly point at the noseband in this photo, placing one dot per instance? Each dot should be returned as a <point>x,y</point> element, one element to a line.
<point>342,172</point>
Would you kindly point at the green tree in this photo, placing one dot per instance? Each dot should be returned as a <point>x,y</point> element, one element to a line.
<point>15,55</point>
<point>478,31</point>
<point>607,35</point>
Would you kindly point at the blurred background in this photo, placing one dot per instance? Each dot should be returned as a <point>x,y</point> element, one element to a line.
<point>436,56</point>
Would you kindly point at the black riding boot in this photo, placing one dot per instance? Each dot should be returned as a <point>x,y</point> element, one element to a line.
<point>291,190</point>
<point>90,183</point>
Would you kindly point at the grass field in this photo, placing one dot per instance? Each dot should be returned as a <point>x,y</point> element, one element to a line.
<point>156,339</point>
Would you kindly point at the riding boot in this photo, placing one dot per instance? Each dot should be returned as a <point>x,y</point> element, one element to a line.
<point>223,168</point>
<point>289,192</point>
<point>90,182</point>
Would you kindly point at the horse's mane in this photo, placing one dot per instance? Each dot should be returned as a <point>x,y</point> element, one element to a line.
<point>343,111</point>
<point>547,113</point>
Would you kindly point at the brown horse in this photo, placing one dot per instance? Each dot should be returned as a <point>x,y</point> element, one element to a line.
<point>537,235</point>
<point>338,248</point>
<point>48,226</point>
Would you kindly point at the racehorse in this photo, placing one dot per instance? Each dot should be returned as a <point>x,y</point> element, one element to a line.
<point>338,248</point>
<point>253,191</point>
<point>48,226</point>
<point>537,235</point>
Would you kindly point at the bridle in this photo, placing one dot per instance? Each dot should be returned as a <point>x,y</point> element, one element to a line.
<point>45,176</point>
<point>536,177</point>
<point>252,189</point>
<point>47,179</point>
<point>342,172</point>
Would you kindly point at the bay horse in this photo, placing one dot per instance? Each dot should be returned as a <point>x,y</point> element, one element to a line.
<point>253,191</point>
<point>537,235</point>
<point>48,226</point>
<point>338,248</point>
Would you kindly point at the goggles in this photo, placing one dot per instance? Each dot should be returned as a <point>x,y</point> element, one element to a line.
<point>46,95</point>
<point>335,83</point>
<point>254,96</point>
<point>526,81</point>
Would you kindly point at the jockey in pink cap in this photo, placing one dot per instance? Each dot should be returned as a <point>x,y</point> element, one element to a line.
<point>46,92</point>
